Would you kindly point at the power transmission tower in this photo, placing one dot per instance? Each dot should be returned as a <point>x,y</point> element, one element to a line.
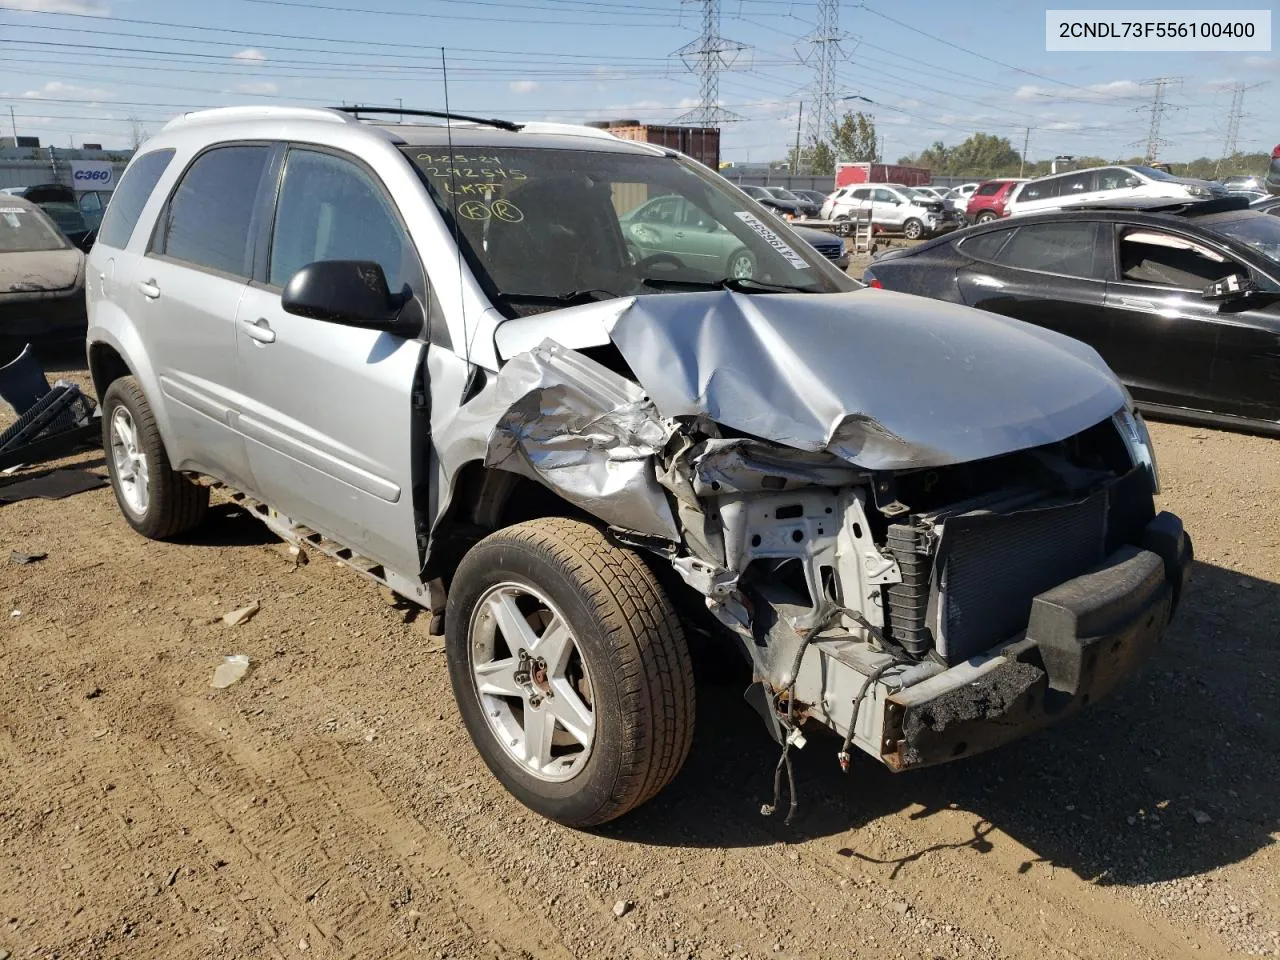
<point>1158,107</point>
<point>825,51</point>
<point>707,56</point>
<point>1231,146</point>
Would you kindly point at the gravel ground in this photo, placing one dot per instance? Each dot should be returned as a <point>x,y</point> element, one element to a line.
<point>329,804</point>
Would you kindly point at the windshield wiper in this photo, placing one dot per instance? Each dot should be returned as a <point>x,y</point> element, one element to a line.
<point>736,284</point>
<point>572,298</point>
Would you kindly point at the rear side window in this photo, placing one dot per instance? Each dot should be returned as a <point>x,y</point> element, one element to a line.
<point>207,222</point>
<point>1040,190</point>
<point>987,246</point>
<point>989,189</point>
<point>131,196</point>
<point>1069,249</point>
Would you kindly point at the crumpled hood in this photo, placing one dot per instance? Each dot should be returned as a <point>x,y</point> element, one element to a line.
<point>39,271</point>
<point>883,380</point>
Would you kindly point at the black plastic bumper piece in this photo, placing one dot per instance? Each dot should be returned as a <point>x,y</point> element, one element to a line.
<point>1083,638</point>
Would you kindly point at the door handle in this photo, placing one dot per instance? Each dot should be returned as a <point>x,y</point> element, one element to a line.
<point>149,289</point>
<point>259,330</point>
<point>1137,303</point>
<point>679,234</point>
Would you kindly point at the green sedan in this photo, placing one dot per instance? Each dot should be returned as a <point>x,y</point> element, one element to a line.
<point>673,225</point>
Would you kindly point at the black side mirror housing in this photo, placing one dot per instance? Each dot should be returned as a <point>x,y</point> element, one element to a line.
<point>349,292</point>
<point>1229,288</point>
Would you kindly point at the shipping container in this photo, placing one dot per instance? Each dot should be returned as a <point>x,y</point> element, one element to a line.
<point>700,143</point>
<point>849,173</point>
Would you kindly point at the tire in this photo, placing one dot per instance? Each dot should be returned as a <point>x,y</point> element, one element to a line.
<point>633,673</point>
<point>741,264</point>
<point>986,216</point>
<point>913,229</point>
<point>157,501</point>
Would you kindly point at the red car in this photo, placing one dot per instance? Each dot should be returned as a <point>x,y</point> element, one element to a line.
<point>988,201</point>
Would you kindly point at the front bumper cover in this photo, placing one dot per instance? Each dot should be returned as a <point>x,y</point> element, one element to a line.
<point>1083,638</point>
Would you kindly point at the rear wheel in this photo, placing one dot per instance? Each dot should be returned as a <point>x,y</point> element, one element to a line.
<point>570,669</point>
<point>913,229</point>
<point>157,501</point>
<point>742,265</point>
<point>986,216</point>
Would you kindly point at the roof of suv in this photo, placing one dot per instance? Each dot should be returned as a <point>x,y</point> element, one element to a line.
<point>549,136</point>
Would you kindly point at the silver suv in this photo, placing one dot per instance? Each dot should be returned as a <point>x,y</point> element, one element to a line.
<point>431,350</point>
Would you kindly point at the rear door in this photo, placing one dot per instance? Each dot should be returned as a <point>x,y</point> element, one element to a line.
<point>1038,195</point>
<point>198,262</point>
<point>1167,337</point>
<point>1050,274</point>
<point>1077,188</point>
<point>329,411</point>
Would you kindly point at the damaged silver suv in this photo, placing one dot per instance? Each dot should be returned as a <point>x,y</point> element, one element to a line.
<point>477,362</point>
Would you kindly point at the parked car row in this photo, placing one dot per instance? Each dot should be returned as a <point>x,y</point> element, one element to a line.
<point>892,206</point>
<point>1180,297</point>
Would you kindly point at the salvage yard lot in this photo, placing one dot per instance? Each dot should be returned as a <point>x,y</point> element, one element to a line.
<point>330,803</point>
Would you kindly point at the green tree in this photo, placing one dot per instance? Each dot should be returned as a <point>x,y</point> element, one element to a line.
<point>853,138</point>
<point>816,159</point>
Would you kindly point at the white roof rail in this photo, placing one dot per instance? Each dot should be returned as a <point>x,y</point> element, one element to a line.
<point>573,129</point>
<point>263,112</point>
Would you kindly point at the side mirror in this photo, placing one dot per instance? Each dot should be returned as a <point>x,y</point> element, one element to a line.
<point>1229,288</point>
<point>350,292</point>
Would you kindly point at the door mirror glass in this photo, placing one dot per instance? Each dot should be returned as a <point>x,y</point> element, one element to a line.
<point>1229,288</point>
<point>350,292</point>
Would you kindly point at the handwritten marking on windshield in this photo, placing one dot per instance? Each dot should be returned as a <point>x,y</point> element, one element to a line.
<point>473,210</point>
<point>508,211</point>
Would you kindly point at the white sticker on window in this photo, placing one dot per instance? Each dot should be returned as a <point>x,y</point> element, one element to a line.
<point>771,238</point>
<point>13,209</point>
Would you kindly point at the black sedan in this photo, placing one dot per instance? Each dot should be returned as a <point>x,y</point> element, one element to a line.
<point>1181,299</point>
<point>784,208</point>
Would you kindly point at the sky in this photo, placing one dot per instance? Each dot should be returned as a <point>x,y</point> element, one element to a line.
<point>97,70</point>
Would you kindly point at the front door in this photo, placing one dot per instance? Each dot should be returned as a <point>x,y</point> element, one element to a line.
<point>886,208</point>
<point>188,289</point>
<point>1166,335</point>
<point>328,413</point>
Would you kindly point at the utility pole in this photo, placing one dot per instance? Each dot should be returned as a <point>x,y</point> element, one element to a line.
<point>1158,107</point>
<point>824,53</point>
<point>795,163</point>
<point>1026,142</point>
<point>708,56</point>
<point>14,122</point>
<point>880,156</point>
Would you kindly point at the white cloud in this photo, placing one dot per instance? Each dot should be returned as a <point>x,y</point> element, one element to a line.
<point>250,55</point>
<point>1095,91</point>
<point>1263,63</point>
<point>58,90</point>
<point>91,8</point>
<point>522,86</point>
<point>262,87</point>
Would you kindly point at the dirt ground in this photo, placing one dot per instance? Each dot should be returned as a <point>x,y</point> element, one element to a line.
<point>330,805</point>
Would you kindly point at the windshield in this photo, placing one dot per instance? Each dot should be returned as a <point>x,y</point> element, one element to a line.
<point>1259,232</point>
<point>543,228</point>
<point>782,193</point>
<point>1152,173</point>
<point>23,229</point>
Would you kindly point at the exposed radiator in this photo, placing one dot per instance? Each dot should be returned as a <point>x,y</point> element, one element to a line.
<point>990,566</point>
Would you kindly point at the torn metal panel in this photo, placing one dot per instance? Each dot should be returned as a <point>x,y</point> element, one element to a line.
<point>741,465</point>
<point>590,435</point>
<point>884,381</point>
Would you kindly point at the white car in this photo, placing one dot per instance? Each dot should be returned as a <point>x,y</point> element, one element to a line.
<point>1107,183</point>
<point>894,207</point>
<point>960,195</point>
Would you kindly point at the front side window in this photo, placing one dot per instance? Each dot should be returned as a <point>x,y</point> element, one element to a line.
<point>1117,178</point>
<point>1166,260</point>
<point>207,222</point>
<point>1151,173</point>
<point>1067,249</point>
<point>24,229</point>
<point>331,209</point>
<point>543,227</point>
<point>131,196</point>
<point>885,196</point>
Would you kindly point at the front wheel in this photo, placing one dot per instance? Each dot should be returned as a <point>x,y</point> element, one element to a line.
<point>570,669</point>
<point>913,229</point>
